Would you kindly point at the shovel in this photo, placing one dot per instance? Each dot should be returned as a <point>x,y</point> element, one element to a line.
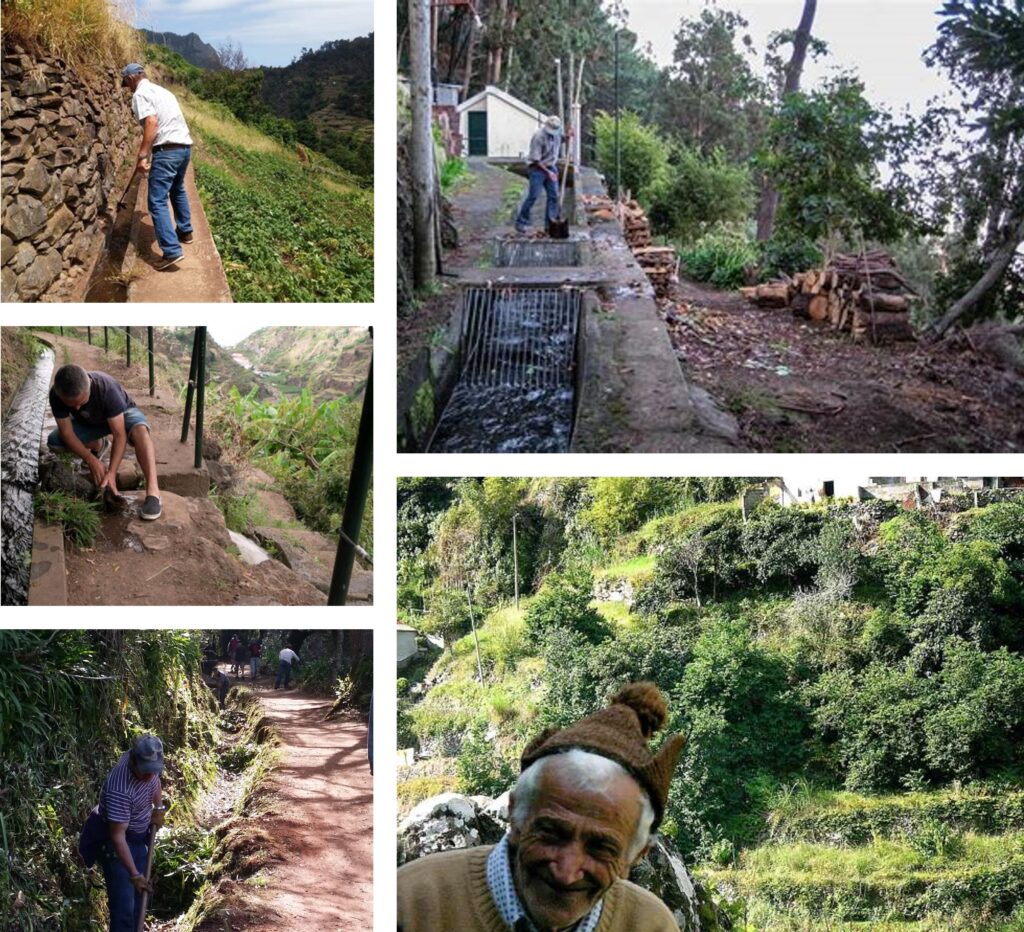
<point>559,229</point>
<point>149,870</point>
<point>127,188</point>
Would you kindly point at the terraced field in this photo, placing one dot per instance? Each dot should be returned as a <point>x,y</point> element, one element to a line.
<point>919,861</point>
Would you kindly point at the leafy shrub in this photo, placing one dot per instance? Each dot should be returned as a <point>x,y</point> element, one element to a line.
<point>447,614</point>
<point>720,257</point>
<point>182,859</point>
<point>481,769</point>
<point>781,542</point>
<point>79,519</point>
<point>451,171</point>
<point>564,602</point>
<point>1001,524</point>
<point>643,153</point>
<point>697,193</point>
<point>786,254</point>
<point>838,557</point>
<point>237,757</point>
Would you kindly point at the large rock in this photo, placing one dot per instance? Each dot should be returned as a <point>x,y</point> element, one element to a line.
<point>34,179</point>
<point>39,275</point>
<point>443,822</point>
<point>25,217</point>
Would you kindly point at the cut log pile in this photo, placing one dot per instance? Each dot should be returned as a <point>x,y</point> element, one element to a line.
<point>658,262</point>
<point>863,294</point>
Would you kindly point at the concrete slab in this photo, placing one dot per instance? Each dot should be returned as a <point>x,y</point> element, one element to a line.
<point>199,278</point>
<point>48,582</point>
<point>547,276</point>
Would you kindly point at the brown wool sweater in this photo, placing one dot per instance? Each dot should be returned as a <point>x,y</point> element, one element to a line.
<point>448,892</point>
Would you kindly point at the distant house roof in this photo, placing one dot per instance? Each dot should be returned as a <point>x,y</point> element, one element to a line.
<point>506,98</point>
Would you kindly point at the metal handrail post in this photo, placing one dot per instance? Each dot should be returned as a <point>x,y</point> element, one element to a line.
<point>149,342</point>
<point>106,341</point>
<point>200,394</point>
<point>88,334</point>
<point>355,500</point>
<point>190,390</point>
<point>128,347</point>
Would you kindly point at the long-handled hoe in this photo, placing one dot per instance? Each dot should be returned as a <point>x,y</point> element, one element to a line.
<point>141,927</point>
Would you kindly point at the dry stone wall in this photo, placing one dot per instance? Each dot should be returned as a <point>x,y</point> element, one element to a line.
<point>65,139</point>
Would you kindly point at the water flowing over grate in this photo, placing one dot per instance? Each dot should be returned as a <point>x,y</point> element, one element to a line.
<point>535,254</point>
<point>516,387</point>
<point>521,337</point>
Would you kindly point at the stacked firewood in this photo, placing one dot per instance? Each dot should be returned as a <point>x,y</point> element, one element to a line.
<point>659,264</point>
<point>864,294</point>
<point>635,225</point>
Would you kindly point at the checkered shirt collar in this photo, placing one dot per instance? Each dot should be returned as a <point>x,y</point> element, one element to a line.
<point>503,892</point>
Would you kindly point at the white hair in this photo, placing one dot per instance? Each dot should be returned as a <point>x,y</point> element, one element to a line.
<point>590,772</point>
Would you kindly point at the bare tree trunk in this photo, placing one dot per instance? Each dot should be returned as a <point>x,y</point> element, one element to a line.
<point>470,50</point>
<point>1001,259</point>
<point>769,195</point>
<point>421,144</point>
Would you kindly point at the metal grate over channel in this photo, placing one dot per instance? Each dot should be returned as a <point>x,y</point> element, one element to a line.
<point>522,337</point>
<point>516,386</point>
<point>535,254</point>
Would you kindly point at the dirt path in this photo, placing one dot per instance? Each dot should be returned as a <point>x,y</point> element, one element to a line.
<point>199,278</point>
<point>322,817</point>
<point>795,386</point>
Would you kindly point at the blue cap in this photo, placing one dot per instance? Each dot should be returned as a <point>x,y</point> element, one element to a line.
<point>133,68</point>
<point>147,754</point>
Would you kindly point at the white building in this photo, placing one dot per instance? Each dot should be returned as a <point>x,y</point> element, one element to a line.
<point>497,125</point>
<point>807,489</point>
<point>406,645</point>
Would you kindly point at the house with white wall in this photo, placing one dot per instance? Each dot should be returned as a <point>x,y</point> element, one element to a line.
<point>497,125</point>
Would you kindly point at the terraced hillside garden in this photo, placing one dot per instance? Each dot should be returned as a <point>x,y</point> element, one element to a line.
<point>850,675</point>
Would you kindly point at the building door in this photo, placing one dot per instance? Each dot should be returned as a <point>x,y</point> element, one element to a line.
<point>478,132</point>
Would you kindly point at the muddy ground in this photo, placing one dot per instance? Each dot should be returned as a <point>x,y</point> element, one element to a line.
<point>795,386</point>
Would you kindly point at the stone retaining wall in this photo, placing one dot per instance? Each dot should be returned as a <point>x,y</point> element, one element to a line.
<point>65,137</point>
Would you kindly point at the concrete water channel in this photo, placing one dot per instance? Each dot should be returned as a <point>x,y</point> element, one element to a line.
<point>558,346</point>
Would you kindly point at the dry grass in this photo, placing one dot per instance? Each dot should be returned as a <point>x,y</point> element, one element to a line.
<point>85,33</point>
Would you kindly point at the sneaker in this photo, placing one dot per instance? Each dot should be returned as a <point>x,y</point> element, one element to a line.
<point>184,237</point>
<point>151,509</point>
<point>522,231</point>
<point>168,263</point>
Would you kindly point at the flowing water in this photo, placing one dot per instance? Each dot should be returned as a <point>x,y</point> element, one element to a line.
<point>19,461</point>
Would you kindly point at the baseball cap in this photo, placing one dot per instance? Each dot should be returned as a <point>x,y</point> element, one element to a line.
<point>133,68</point>
<point>147,754</point>
<point>553,124</point>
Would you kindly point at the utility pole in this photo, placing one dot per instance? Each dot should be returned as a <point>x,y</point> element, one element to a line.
<point>421,145</point>
<point>476,640</point>
<point>618,146</point>
<point>515,559</point>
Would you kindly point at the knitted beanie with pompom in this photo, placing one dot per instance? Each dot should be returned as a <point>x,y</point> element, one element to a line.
<point>620,732</point>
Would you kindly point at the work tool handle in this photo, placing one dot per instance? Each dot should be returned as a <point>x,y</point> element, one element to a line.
<point>149,870</point>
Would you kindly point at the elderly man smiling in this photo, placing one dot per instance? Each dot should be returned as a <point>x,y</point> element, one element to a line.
<point>586,805</point>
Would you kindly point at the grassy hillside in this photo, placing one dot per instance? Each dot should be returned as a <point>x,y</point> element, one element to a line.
<point>328,361</point>
<point>851,679</point>
<point>289,224</point>
<point>85,33</point>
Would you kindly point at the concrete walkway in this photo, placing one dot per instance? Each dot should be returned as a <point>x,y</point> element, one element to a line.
<point>200,278</point>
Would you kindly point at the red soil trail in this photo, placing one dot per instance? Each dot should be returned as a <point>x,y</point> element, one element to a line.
<point>322,816</point>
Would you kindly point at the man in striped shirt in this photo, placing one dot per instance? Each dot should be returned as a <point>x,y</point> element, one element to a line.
<point>129,802</point>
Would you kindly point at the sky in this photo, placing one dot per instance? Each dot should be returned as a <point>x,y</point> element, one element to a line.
<point>882,39</point>
<point>271,32</point>
<point>229,333</point>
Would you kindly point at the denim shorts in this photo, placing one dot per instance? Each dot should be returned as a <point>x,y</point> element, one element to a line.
<point>87,433</point>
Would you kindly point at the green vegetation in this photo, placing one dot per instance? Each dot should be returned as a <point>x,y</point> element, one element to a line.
<point>850,677</point>
<point>19,353</point>
<point>307,448</point>
<point>79,519</point>
<point>286,230</point>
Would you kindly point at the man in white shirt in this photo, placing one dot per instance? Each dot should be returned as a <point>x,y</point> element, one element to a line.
<point>164,154</point>
<point>284,667</point>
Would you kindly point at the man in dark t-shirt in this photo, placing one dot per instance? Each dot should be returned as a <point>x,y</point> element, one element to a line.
<point>88,407</point>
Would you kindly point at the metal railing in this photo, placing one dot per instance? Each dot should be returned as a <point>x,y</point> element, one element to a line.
<point>355,499</point>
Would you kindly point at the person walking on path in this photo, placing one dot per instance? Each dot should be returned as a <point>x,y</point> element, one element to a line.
<point>285,659</point>
<point>255,651</point>
<point>233,645</point>
<point>542,171</point>
<point>164,154</point>
<point>241,660</point>
<point>89,407</point>
<point>129,802</point>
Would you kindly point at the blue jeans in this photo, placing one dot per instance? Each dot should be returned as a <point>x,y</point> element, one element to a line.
<point>133,417</point>
<point>167,177</point>
<point>284,674</point>
<point>124,902</point>
<point>254,665</point>
<point>540,180</point>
